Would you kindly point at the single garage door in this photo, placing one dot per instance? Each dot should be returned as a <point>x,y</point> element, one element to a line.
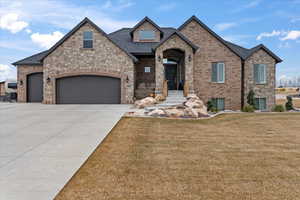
<point>35,87</point>
<point>88,89</point>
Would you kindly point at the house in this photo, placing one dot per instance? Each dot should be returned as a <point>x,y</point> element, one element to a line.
<point>89,66</point>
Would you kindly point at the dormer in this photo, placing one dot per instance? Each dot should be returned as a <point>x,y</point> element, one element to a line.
<point>146,31</point>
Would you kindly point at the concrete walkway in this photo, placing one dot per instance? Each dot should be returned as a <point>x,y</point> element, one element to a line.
<point>42,146</point>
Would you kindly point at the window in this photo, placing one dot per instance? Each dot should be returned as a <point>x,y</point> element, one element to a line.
<point>260,73</point>
<point>88,39</point>
<point>260,103</point>
<point>147,69</point>
<point>218,103</point>
<point>218,72</point>
<point>146,35</point>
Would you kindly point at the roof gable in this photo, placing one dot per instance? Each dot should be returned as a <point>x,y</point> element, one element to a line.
<point>146,19</point>
<point>77,27</point>
<point>263,47</point>
<point>181,36</point>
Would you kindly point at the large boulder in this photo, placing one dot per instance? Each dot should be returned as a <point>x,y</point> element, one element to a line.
<point>202,112</point>
<point>157,113</point>
<point>189,112</point>
<point>148,101</point>
<point>173,112</point>
<point>194,103</point>
<point>160,97</point>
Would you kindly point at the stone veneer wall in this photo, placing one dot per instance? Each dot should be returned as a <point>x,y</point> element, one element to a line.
<point>144,82</point>
<point>261,90</point>
<point>174,42</point>
<point>23,72</point>
<point>211,50</point>
<point>71,59</point>
<point>146,26</point>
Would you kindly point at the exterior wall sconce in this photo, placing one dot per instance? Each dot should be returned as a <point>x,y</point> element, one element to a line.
<point>190,58</point>
<point>21,82</point>
<point>159,59</point>
<point>48,80</point>
<point>127,79</point>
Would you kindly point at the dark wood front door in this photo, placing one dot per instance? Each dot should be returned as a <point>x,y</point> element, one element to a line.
<point>171,76</point>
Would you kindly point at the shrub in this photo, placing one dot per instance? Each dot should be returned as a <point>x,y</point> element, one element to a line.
<point>251,98</point>
<point>289,103</point>
<point>210,106</point>
<point>248,108</point>
<point>278,108</point>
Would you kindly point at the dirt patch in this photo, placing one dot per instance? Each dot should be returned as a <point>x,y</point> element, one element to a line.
<point>296,102</point>
<point>231,157</point>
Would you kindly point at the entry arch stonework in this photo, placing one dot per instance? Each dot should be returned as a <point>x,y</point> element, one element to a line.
<point>174,42</point>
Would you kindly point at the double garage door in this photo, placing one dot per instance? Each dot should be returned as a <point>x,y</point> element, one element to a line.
<point>85,89</point>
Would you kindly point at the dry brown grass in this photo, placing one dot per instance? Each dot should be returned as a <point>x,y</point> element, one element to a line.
<point>287,91</point>
<point>296,102</point>
<point>230,157</point>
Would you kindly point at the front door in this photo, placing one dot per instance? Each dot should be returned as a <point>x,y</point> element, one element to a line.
<point>171,76</point>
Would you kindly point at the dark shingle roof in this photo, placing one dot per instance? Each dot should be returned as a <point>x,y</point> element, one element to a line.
<point>35,59</point>
<point>123,39</point>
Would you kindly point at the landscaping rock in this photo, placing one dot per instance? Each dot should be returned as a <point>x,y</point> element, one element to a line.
<point>189,112</point>
<point>173,112</point>
<point>148,101</point>
<point>157,113</point>
<point>160,97</point>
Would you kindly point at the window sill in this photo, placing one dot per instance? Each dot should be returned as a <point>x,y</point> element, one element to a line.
<point>218,82</point>
<point>261,84</point>
<point>86,49</point>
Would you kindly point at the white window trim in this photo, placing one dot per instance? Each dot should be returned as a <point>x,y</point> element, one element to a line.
<point>218,72</point>
<point>147,71</point>
<point>88,40</point>
<point>262,78</point>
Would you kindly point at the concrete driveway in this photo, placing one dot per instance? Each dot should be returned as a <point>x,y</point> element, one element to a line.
<point>42,146</point>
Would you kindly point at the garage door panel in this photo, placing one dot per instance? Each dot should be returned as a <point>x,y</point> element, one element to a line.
<point>88,90</point>
<point>35,87</point>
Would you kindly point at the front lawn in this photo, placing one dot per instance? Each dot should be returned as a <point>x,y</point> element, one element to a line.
<point>231,157</point>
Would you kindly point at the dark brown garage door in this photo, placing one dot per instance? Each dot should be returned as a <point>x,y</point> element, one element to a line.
<point>88,90</point>
<point>35,87</point>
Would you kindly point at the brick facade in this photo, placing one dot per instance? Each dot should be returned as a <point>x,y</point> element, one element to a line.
<point>261,90</point>
<point>146,26</point>
<point>105,58</point>
<point>211,50</point>
<point>23,72</point>
<point>2,88</point>
<point>144,81</point>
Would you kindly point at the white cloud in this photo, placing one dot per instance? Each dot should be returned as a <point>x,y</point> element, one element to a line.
<point>167,7</point>
<point>251,4</point>
<point>12,23</point>
<point>46,40</point>
<point>284,45</point>
<point>28,31</point>
<point>224,26</point>
<point>7,72</point>
<point>66,15</point>
<point>291,35</point>
<point>272,34</point>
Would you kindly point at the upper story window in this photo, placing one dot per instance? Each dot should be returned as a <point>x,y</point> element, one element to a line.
<point>146,35</point>
<point>88,39</point>
<point>218,72</point>
<point>260,73</point>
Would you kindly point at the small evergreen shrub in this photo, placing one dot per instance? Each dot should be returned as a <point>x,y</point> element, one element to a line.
<point>289,103</point>
<point>248,108</point>
<point>278,108</point>
<point>251,98</point>
<point>210,106</point>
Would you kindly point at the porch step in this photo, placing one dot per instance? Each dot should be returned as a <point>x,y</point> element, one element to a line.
<point>175,97</point>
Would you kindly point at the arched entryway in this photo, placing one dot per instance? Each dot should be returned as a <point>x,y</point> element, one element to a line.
<point>174,71</point>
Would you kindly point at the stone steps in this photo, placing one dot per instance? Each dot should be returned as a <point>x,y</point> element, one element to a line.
<point>175,97</point>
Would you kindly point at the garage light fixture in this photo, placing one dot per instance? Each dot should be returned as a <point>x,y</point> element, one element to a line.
<point>21,82</point>
<point>190,58</point>
<point>127,79</point>
<point>159,58</point>
<point>48,80</point>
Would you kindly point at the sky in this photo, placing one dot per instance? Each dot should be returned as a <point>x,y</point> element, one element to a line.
<point>31,26</point>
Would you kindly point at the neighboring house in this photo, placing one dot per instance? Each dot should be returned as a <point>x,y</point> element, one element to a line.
<point>89,66</point>
<point>2,88</point>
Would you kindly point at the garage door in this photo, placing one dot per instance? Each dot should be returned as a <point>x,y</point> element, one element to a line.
<point>35,87</point>
<point>88,90</point>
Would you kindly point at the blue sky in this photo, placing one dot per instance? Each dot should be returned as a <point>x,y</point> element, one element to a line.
<point>31,26</point>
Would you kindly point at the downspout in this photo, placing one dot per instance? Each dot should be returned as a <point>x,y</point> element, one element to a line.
<point>243,84</point>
